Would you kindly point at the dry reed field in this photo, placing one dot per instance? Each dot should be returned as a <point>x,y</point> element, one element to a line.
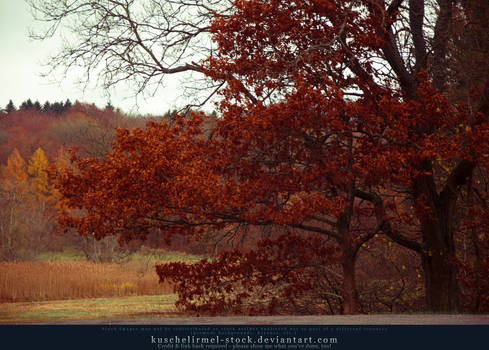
<point>58,280</point>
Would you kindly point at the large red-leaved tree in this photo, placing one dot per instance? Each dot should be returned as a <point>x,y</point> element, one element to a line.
<point>338,119</point>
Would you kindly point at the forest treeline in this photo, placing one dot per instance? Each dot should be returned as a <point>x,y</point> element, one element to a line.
<point>53,108</point>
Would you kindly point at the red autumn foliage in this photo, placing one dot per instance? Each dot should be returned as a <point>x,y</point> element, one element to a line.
<point>332,46</point>
<point>333,123</point>
<point>286,275</point>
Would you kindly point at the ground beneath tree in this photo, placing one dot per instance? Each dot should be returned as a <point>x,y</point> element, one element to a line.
<point>384,319</point>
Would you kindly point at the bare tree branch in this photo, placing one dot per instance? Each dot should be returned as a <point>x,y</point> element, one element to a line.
<point>135,42</point>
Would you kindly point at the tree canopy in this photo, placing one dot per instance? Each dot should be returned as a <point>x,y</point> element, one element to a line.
<point>338,119</point>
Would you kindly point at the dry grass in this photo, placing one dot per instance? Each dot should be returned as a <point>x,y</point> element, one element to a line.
<point>61,280</point>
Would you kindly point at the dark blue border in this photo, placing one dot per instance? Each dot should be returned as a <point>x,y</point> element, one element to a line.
<point>155,337</point>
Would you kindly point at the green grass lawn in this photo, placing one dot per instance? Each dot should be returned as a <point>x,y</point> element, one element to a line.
<point>157,255</point>
<point>68,255</point>
<point>89,309</point>
<point>143,254</point>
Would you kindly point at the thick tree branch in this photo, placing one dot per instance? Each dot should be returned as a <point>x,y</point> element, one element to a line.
<point>458,177</point>
<point>316,229</point>
<point>394,7</point>
<point>394,58</point>
<point>324,220</point>
<point>384,225</point>
<point>440,40</point>
<point>416,17</point>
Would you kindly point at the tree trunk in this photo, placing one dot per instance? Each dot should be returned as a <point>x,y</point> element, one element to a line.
<point>440,274</point>
<point>349,256</point>
<point>349,290</point>
<point>438,257</point>
<point>349,251</point>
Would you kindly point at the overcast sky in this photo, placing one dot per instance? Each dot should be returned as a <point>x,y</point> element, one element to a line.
<point>21,64</point>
